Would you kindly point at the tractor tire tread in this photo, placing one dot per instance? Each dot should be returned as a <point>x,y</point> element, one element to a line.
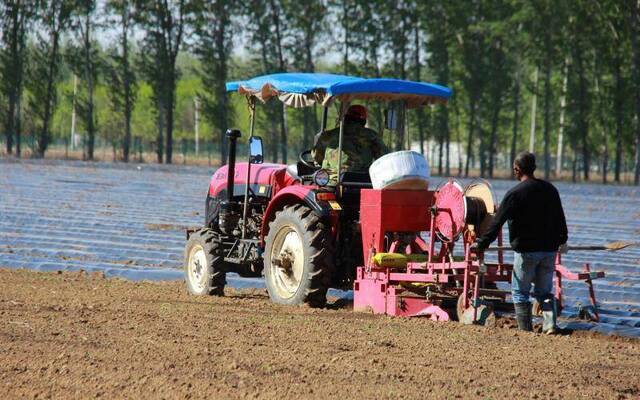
<point>320,244</point>
<point>216,278</point>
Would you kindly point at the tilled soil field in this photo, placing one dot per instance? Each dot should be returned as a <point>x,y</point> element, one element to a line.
<point>129,220</point>
<point>78,335</point>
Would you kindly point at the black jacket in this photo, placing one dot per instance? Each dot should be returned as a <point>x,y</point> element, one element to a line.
<point>535,216</point>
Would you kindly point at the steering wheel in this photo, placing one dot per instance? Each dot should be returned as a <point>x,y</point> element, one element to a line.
<point>303,159</point>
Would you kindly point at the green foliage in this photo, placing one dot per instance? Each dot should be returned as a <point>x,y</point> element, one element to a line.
<point>212,24</point>
<point>53,19</point>
<point>168,53</point>
<point>16,17</point>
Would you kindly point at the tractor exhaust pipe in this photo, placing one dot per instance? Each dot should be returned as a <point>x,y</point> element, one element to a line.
<point>228,216</point>
<point>232,135</point>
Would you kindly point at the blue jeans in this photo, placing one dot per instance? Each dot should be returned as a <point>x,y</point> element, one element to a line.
<point>534,267</point>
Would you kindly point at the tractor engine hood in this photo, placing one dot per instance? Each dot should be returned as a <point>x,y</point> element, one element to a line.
<point>266,180</point>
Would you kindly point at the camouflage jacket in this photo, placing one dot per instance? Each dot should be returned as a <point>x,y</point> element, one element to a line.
<point>360,147</point>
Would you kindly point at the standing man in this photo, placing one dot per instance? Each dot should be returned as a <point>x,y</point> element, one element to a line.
<point>537,231</point>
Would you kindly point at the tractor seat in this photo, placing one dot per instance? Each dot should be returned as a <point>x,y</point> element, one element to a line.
<point>292,170</point>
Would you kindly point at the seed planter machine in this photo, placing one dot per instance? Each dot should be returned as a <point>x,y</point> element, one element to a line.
<point>411,269</point>
<point>404,252</point>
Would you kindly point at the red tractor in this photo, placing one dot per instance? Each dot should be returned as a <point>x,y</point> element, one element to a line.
<point>288,223</point>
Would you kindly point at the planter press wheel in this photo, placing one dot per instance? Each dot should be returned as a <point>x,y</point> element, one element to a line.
<point>484,316</point>
<point>480,206</point>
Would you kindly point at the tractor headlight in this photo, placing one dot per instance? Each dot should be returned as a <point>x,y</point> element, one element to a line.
<point>321,177</point>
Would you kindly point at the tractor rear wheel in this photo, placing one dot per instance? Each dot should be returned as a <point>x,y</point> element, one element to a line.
<point>203,264</point>
<point>298,258</point>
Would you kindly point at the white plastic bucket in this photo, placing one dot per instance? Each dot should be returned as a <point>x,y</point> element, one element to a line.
<point>402,170</point>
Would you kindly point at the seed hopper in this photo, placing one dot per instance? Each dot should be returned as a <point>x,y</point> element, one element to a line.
<point>419,262</point>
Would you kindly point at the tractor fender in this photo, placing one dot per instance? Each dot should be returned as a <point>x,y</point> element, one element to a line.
<point>295,194</point>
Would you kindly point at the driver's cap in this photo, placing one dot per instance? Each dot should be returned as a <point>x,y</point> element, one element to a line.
<point>357,111</point>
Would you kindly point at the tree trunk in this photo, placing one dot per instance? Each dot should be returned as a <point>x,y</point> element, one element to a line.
<point>126,145</point>
<point>169,44</point>
<point>417,76</point>
<point>160,137</point>
<point>440,153</point>
<point>89,74</point>
<point>171,100</point>
<point>309,114</point>
<point>399,136</point>
<point>601,119</point>
<point>224,123</point>
<point>516,119</point>
<point>91,131</point>
<point>456,122</point>
<point>447,156</point>
<point>563,108</point>
<point>583,124</point>
<point>636,80</point>
<point>605,156</point>
<point>43,141</point>
<point>472,122</point>
<point>421,136</point>
<point>618,104</point>
<point>14,41</point>
<point>345,29</point>
<point>547,117</point>
<point>459,140</point>
<point>9,127</point>
<point>482,153</point>
<point>18,126</point>
<point>224,117</point>
<point>534,103</point>
<point>306,135</point>
<point>283,133</point>
<point>497,107</point>
<point>443,113</point>
<point>19,81</point>
<point>574,162</point>
<point>222,68</point>
<point>444,135</point>
<point>275,17</point>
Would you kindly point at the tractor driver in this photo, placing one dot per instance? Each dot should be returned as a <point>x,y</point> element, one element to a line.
<point>360,145</point>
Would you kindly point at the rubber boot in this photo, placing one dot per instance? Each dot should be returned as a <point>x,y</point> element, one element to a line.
<point>523,316</point>
<point>548,307</point>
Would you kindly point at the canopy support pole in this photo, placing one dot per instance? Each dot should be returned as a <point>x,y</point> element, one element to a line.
<point>343,109</point>
<point>252,114</point>
<point>325,115</point>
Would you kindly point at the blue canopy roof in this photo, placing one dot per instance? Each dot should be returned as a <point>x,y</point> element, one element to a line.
<point>331,85</point>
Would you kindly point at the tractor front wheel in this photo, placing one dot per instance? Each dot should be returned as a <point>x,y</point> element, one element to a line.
<point>203,264</point>
<point>298,257</point>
